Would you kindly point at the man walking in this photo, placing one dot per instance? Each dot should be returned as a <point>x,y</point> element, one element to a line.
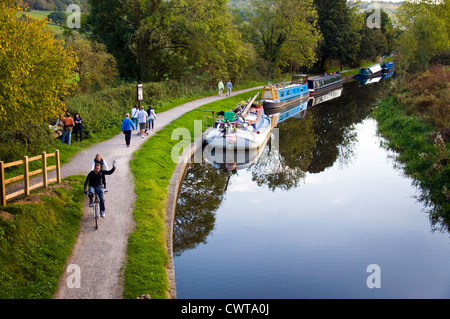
<point>127,126</point>
<point>229,86</point>
<point>134,115</point>
<point>68,124</point>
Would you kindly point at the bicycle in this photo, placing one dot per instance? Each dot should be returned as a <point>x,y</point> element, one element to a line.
<point>96,207</point>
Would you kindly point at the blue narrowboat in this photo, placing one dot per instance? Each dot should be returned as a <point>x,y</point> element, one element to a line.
<point>322,83</point>
<point>387,67</point>
<point>280,95</point>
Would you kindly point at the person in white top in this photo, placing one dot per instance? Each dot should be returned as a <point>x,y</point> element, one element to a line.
<point>151,118</point>
<point>134,115</point>
<point>142,119</point>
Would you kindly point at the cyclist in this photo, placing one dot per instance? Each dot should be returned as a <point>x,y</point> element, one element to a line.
<point>96,182</point>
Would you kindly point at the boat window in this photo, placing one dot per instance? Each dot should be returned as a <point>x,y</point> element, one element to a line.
<point>282,94</point>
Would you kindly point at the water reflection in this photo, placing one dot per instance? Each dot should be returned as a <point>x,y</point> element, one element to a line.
<point>309,141</point>
<point>303,218</point>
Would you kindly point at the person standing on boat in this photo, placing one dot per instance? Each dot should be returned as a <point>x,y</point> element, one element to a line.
<point>127,126</point>
<point>229,86</point>
<point>220,87</point>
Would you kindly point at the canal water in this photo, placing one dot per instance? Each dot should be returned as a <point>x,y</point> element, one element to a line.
<point>324,212</point>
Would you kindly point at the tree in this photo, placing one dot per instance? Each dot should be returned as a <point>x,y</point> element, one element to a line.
<point>283,32</point>
<point>57,17</point>
<point>96,68</point>
<point>426,23</point>
<point>36,71</point>
<point>174,39</point>
<point>340,25</point>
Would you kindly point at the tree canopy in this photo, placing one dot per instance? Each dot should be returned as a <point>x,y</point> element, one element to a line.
<point>36,70</point>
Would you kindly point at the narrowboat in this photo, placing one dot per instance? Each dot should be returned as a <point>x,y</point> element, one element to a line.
<point>322,83</point>
<point>387,67</point>
<point>281,95</point>
<point>247,127</point>
<point>369,72</point>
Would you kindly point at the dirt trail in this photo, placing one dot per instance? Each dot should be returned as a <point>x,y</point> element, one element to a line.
<point>101,254</point>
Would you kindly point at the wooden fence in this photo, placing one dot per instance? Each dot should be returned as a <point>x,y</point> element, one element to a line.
<point>27,174</point>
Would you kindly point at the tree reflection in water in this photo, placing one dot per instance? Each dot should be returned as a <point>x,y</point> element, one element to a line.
<point>306,145</point>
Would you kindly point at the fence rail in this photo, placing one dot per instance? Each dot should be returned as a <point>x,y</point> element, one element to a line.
<point>27,174</point>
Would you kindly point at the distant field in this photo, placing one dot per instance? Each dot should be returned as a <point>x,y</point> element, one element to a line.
<point>42,14</point>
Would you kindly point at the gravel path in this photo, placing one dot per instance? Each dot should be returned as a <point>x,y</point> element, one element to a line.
<point>99,255</point>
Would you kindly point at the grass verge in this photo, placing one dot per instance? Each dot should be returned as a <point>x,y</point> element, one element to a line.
<point>152,167</point>
<point>37,234</point>
<point>425,156</point>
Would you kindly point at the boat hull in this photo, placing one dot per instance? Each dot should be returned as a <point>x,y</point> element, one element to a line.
<point>276,107</point>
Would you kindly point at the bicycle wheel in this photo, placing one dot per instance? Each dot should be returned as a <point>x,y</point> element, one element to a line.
<point>96,213</point>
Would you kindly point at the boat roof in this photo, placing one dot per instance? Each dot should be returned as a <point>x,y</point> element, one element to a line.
<point>374,68</point>
<point>321,77</point>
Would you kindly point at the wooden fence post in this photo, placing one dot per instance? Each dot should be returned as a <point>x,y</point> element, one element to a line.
<point>3,186</point>
<point>44,169</point>
<point>58,167</point>
<point>26,177</point>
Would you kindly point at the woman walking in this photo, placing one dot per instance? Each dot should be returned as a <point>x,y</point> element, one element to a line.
<point>151,118</point>
<point>127,126</point>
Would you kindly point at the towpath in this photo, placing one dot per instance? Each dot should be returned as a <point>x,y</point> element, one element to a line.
<point>101,254</point>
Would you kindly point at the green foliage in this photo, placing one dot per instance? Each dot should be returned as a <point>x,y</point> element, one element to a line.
<point>176,39</point>
<point>35,70</point>
<point>31,141</point>
<point>96,68</point>
<point>283,33</point>
<point>340,25</point>
<point>36,238</point>
<point>426,33</point>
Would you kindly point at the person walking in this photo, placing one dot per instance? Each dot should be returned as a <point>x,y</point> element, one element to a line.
<point>78,128</point>
<point>142,118</point>
<point>127,127</point>
<point>229,86</point>
<point>67,129</point>
<point>98,159</point>
<point>220,85</point>
<point>134,115</point>
<point>95,182</point>
<point>151,116</point>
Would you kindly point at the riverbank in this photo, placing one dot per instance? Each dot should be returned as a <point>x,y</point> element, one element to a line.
<point>415,123</point>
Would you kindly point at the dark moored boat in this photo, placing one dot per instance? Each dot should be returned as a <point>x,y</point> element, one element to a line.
<point>320,84</point>
<point>369,72</point>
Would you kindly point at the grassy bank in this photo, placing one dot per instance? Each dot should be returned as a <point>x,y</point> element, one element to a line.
<point>152,167</point>
<point>37,234</point>
<point>420,140</point>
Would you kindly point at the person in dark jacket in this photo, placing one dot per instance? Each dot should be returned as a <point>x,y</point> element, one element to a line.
<point>78,128</point>
<point>96,182</point>
<point>127,126</point>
